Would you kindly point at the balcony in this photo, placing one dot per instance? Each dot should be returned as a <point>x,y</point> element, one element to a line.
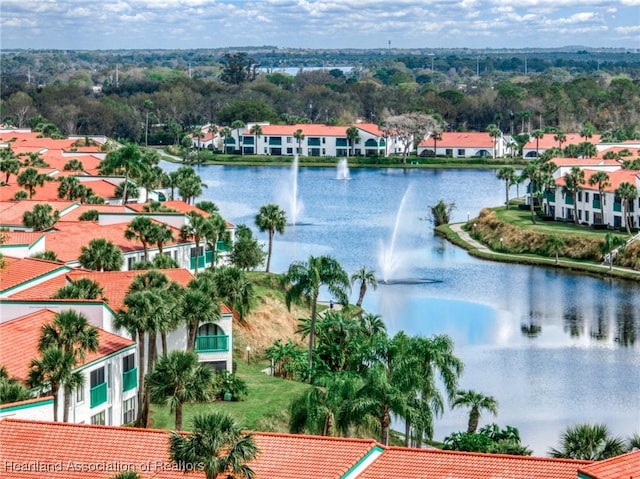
<point>202,260</point>
<point>129,379</point>
<point>313,141</point>
<point>596,204</point>
<point>222,246</point>
<point>617,207</point>
<point>98,394</point>
<point>212,344</point>
<point>568,200</point>
<point>341,142</point>
<point>275,141</point>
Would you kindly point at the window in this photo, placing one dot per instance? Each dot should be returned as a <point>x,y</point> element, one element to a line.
<point>579,195</point>
<point>128,410</point>
<point>130,262</point>
<point>200,251</point>
<point>266,140</point>
<point>98,419</point>
<point>448,151</point>
<point>289,151</point>
<point>97,377</point>
<point>586,216</point>
<point>586,196</point>
<point>461,152</point>
<point>80,394</point>
<point>289,139</point>
<point>324,140</point>
<point>128,363</point>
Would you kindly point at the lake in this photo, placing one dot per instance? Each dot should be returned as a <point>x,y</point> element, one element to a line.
<point>554,348</point>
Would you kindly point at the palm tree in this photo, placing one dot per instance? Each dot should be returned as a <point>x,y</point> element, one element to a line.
<point>71,332</point>
<point>217,444</point>
<point>271,218</point>
<point>573,181</point>
<point>477,402</point>
<point>196,229</point>
<point>48,254</point>
<point>437,136</point>
<point>73,165</point>
<point>50,372</point>
<point>215,231</point>
<point>171,180</point>
<point>628,193</point>
<point>101,255</point>
<point>508,174</point>
<point>555,245</point>
<point>366,277</point>
<point>560,137</point>
<point>590,442</point>
<point>373,324</point>
<point>141,229</point>
<point>538,135</point>
<point>42,217</point>
<point>197,306</point>
<point>70,188</point>
<point>30,179</point>
<point>225,133</point>
<point>299,136</point>
<point>81,288</point>
<point>161,234</point>
<point>177,379</point>
<point>353,135</point>
<point>256,130</point>
<point>601,179</point>
<point>9,164</point>
<point>611,242</point>
<point>234,289</point>
<point>305,279</point>
<point>533,172</point>
<point>494,133</point>
<point>127,159</point>
<point>11,389</point>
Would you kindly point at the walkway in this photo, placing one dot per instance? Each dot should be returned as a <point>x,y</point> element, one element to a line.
<point>488,253</point>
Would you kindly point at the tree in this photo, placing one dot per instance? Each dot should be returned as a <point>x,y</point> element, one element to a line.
<point>508,174</point>
<point>11,389</point>
<point>9,164</point>
<point>189,184</point>
<point>128,160</point>
<point>533,172</point>
<point>555,245</point>
<point>81,288</point>
<point>489,439</point>
<point>304,280</point>
<point>353,135</point>
<point>256,130</point>
<point>560,137</point>
<point>299,136</point>
<point>494,133</point>
<point>410,129</point>
<point>441,212</point>
<point>591,442</point>
<point>208,206</point>
<point>627,192</point>
<point>216,444</point>
<point>101,255</point>
<point>225,133</point>
<point>128,187</point>
<point>161,234</point>
<point>51,371</point>
<point>436,136</point>
<point>71,332</point>
<point>477,402</point>
<point>150,178</point>
<point>234,289</point>
<point>171,180</point>
<point>246,253</point>
<point>271,218</point>
<point>366,277</point>
<point>538,135</point>
<point>41,218</point>
<point>197,307</point>
<point>49,255</point>
<point>30,179</point>
<point>196,229</point>
<point>573,181</point>
<point>238,68</point>
<point>611,242</point>
<point>141,229</point>
<point>601,180</point>
<point>177,379</point>
<point>71,189</point>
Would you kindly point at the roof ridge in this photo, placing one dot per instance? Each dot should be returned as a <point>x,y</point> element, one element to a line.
<point>83,426</point>
<point>319,438</point>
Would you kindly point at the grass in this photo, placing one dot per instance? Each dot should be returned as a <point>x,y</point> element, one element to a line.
<point>266,407</point>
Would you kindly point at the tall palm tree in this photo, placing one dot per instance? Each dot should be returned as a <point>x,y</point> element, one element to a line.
<point>71,332</point>
<point>555,245</point>
<point>602,181</point>
<point>225,133</point>
<point>353,135</point>
<point>161,234</point>
<point>196,229</point>
<point>591,442</point>
<point>256,130</point>
<point>494,133</point>
<point>11,389</point>
<point>299,136</point>
<point>128,160</point>
<point>30,179</point>
<point>217,444</point>
<point>237,125</point>
<point>271,218</point>
<point>533,172</point>
<point>42,217</point>
<point>610,243</point>
<point>560,137</point>
<point>538,135</point>
<point>142,229</point>
<point>234,289</point>
<point>478,402</point>
<point>304,279</point>
<point>366,277</point>
<point>51,371</point>
<point>628,193</point>
<point>9,164</point>
<point>215,231</point>
<point>573,182</point>
<point>81,288</point>
<point>101,255</point>
<point>177,379</point>
<point>197,307</point>
<point>508,174</point>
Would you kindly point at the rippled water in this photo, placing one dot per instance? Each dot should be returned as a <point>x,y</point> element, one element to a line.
<point>554,348</point>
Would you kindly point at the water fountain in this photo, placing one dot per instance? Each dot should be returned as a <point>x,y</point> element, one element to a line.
<point>342,170</point>
<point>288,195</point>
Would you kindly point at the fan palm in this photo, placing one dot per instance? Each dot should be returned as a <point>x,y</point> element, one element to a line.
<point>588,441</point>
<point>81,288</point>
<point>101,255</point>
<point>366,277</point>
<point>478,402</point>
<point>42,217</point>
<point>508,174</point>
<point>602,181</point>
<point>628,193</point>
<point>271,218</point>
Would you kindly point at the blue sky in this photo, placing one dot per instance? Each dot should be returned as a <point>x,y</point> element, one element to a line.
<point>190,24</point>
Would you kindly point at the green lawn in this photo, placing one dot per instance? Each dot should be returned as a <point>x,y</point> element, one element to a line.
<point>522,219</point>
<point>264,409</point>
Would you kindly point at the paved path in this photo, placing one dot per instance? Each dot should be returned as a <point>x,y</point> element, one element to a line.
<point>476,245</point>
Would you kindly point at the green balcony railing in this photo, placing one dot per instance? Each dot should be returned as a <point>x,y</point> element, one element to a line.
<point>596,204</point>
<point>342,142</point>
<point>203,260</point>
<point>277,141</point>
<point>99,394</point>
<point>617,207</point>
<point>212,344</point>
<point>247,140</point>
<point>129,379</point>
<point>313,141</point>
<point>222,246</point>
<point>568,200</point>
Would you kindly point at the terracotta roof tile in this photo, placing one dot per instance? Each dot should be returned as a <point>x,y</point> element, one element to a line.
<point>74,214</point>
<point>470,139</point>
<point>626,466</point>
<point>435,464</point>
<point>178,206</point>
<point>19,340</point>
<point>615,179</point>
<point>20,237</point>
<point>547,141</point>
<point>11,212</point>
<point>307,128</point>
<point>22,270</point>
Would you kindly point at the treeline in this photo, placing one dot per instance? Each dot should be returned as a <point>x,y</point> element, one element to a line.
<point>172,100</point>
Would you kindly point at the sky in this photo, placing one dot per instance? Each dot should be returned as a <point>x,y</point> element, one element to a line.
<point>333,24</point>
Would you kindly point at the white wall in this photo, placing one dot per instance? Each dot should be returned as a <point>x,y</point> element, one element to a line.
<point>40,409</point>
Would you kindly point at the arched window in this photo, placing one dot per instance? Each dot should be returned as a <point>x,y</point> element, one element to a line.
<point>210,329</point>
<point>211,338</point>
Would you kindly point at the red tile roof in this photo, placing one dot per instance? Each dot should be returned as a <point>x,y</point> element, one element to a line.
<point>20,237</point>
<point>307,128</point>
<point>615,178</point>
<point>470,139</point>
<point>626,466</point>
<point>32,139</point>
<point>74,214</point>
<point>179,206</point>
<point>21,270</point>
<point>11,212</point>
<point>435,464</point>
<point>547,141</point>
<point>584,162</point>
<point>19,339</point>
<point>281,456</point>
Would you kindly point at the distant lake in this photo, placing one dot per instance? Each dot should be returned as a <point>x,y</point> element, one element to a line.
<point>554,348</point>
<point>293,71</point>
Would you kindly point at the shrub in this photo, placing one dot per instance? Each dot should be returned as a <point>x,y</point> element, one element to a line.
<point>229,383</point>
